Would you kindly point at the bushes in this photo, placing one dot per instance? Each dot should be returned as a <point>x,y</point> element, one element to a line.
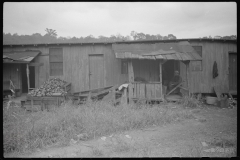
<point>40,129</point>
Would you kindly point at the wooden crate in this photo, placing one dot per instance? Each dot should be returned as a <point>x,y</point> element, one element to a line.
<point>43,101</point>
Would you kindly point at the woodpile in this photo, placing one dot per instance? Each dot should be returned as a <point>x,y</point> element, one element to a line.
<point>50,87</point>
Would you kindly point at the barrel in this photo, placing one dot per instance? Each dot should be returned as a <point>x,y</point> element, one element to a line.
<point>211,100</point>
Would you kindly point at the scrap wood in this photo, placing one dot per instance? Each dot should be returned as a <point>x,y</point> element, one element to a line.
<point>218,92</point>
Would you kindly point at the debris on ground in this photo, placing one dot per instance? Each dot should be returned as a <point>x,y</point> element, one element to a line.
<point>204,144</point>
<point>103,138</point>
<point>82,136</point>
<point>72,141</point>
<point>128,136</point>
<point>232,102</point>
<point>49,88</point>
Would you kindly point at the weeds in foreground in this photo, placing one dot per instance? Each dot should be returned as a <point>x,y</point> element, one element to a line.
<point>24,132</point>
<point>97,152</point>
<point>191,102</point>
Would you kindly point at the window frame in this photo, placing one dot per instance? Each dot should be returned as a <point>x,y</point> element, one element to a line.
<point>193,63</point>
<point>56,61</point>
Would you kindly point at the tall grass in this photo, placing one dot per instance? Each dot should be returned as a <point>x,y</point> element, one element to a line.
<point>28,131</point>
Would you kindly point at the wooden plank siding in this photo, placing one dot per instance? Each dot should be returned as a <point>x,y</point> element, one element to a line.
<point>202,81</point>
<point>76,65</point>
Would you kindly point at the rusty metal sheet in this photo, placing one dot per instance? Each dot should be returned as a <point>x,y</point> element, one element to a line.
<point>169,56</point>
<point>128,55</point>
<point>159,57</point>
<point>172,51</point>
<point>21,56</point>
<point>178,56</point>
<point>135,56</point>
<point>183,56</point>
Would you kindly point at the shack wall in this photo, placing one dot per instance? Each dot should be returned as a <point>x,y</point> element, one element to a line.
<point>76,64</point>
<point>202,81</point>
<point>11,71</point>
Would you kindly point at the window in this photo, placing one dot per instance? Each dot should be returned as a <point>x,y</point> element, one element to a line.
<point>56,61</point>
<point>124,67</point>
<point>197,65</point>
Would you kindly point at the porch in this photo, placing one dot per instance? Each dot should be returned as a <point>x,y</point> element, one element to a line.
<point>151,87</point>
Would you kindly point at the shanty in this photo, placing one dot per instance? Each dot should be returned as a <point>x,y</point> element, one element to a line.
<point>146,67</point>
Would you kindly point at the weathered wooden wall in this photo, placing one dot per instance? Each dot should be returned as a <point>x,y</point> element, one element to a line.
<point>11,71</point>
<point>76,64</point>
<point>202,81</point>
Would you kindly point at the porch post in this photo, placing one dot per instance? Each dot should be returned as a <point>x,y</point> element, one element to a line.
<point>130,79</point>
<point>28,77</point>
<point>187,74</point>
<point>160,76</point>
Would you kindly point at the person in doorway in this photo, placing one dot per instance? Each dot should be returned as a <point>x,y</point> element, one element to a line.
<point>177,79</point>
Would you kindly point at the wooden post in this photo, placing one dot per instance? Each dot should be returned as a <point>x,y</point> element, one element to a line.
<point>124,97</point>
<point>113,94</point>
<point>160,75</point>
<point>187,74</point>
<point>28,77</point>
<point>131,79</point>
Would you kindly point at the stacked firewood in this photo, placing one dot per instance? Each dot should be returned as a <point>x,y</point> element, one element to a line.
<point>50,87</point>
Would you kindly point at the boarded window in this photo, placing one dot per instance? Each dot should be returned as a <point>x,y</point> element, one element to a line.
<point>197,65</point>
<point>56,61</point>
<point>198,49</point>
<point>124,67</point>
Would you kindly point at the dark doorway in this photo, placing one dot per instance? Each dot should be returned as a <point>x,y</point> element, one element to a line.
<point>32,76</point>
<point>233,73</point>
<point>24,77</point>
<point>168,70</point>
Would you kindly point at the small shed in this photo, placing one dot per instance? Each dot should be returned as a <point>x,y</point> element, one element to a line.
<point>18,67</point>
<point>146,61</point>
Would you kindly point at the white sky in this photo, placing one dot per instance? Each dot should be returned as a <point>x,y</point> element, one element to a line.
<point>182,19</point>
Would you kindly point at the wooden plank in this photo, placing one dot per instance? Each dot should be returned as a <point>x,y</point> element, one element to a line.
<point>130,71</point>
<point>130,90</point>
<point>142,90</point>
<point>158,90</point>
<point>135,90</point>
<point>35,64</point>
<point>160,74</point>
<point>148,90</point>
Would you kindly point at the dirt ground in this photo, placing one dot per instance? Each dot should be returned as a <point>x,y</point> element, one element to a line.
<point>212,133</point>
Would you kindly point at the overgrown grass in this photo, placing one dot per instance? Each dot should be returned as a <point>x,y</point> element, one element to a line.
<point>24,132</point>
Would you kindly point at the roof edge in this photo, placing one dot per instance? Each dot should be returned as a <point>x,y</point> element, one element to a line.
<point>134,41</point>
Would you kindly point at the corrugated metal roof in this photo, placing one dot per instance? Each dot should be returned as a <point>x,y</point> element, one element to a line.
<point>19,56</point>
<point>171,51</point>
<point>129,41</point>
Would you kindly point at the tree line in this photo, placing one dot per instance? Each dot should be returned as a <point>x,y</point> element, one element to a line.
<point>52,37</point>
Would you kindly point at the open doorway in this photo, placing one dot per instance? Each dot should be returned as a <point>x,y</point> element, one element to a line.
<point>24,77</point>
<point>168,70</point>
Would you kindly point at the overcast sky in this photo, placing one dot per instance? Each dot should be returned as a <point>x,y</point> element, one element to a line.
<point>182,19</point>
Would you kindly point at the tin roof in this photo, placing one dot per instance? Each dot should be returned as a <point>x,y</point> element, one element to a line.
<point>19,56</point>
<point>123,41</point>
<point>172,51</point>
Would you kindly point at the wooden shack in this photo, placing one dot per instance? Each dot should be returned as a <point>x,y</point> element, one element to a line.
<point>96,65</point>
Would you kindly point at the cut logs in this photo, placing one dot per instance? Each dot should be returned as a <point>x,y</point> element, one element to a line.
<point>50,87</point>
